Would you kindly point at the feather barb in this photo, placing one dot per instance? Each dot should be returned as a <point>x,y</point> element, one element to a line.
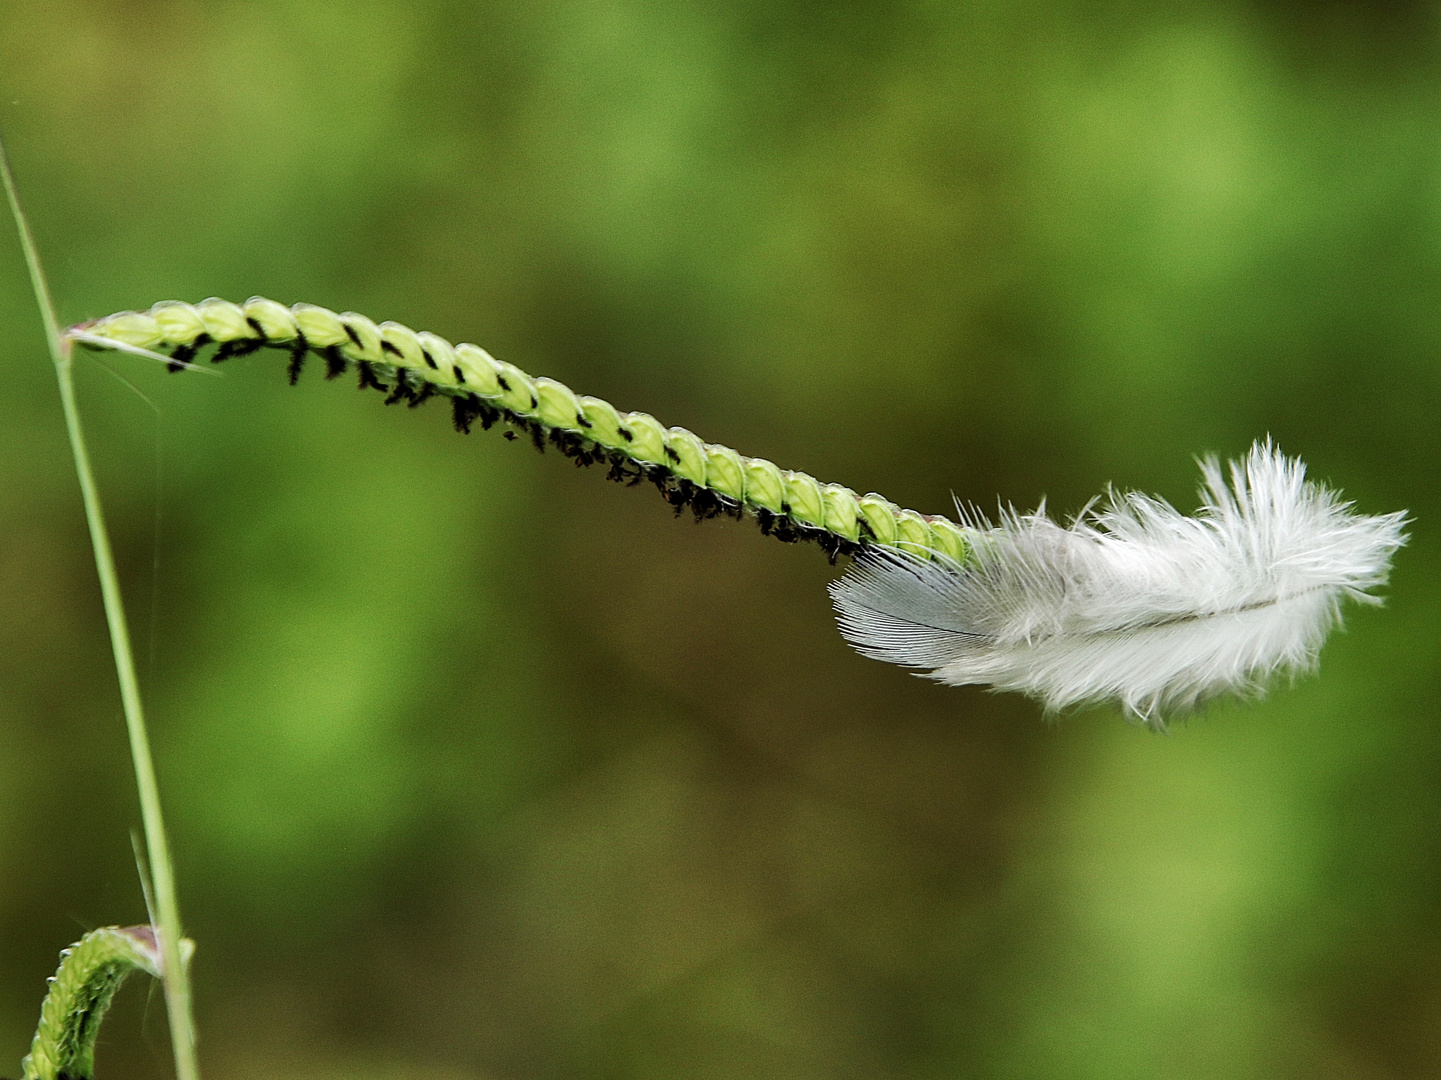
<point>1134,602</point>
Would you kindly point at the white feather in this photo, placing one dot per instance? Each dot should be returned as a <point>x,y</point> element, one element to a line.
<point>1133,603</point>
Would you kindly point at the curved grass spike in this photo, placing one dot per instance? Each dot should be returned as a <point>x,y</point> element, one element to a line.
<point>90,972</point>
<point>410,366</point>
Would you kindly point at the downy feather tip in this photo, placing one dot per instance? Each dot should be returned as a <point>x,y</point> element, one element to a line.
<point>1133,603</point>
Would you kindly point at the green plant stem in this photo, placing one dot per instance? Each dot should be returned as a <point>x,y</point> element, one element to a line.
<point>175,971</point>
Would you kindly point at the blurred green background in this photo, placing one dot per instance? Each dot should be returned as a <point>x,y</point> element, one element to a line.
<point>479,767</point>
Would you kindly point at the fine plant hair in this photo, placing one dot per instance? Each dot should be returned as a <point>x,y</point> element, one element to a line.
<point>1133,603</point>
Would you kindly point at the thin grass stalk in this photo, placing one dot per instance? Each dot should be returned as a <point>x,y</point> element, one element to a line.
<point>176,977</point>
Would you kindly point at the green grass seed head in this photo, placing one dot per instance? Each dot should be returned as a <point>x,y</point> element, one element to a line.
<point>80,993</point>
<point>413,366</point>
